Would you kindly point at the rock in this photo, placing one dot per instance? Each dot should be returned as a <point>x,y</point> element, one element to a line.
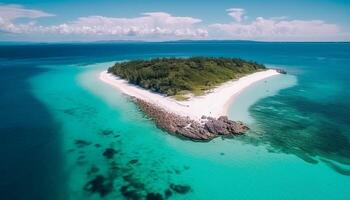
<point>93,169</point>
<point>210,118</point>
<point>154,196</point>
<point>223,118</point>
<point>181,189</point>
<point>167,193</point>
<point>106,132</point>
<point>207,129</point>
<point>109,153</point>
<point>217,127</point>
<point>81,143</point>
<point>81,157</point>
<point>133,161</point>
<point>281,71</point>
<point>129,192</point>
<point>99,185</point>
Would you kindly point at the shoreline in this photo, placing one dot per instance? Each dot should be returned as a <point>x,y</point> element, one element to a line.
<point>214,104</point>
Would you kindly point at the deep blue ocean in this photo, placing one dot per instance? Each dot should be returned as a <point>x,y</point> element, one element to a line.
<point>56,119</point>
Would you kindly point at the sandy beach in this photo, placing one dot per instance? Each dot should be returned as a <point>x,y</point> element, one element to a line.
<point>214,104</point>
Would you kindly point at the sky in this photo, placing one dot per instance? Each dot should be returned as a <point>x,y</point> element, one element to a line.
<point>162,20</point>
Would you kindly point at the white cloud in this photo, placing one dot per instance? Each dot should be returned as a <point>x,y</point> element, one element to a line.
<point>277,28</point>
<point>164,26</point>
<point>11,12</point>
<point>149,24</point>
<point>236,13</point>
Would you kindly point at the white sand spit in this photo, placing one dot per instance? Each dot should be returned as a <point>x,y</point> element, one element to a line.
<point>215,103</point>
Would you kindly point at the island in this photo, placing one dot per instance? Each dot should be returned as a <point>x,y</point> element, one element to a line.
<point>188,97</point>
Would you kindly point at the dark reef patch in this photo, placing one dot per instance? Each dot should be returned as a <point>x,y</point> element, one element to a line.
<point>337,168</point>
<point>133,161</point>
<point>154,196</point>
<point>134,182</point>
<point>93,170</point>
<point>69,111</point>
<point>81,143</point>
<point>181,189</point>
<point>168,193</point>
<point>130,193</point>
<point>133,186</point>
<point>106,132</point>
<point>99,185</point>
<point>297,125</point>
<point>130,183</point>
<point>127,177</point>
<point>109,153</point>
<point>307,158</point>
<point>114,166</point>
<point>81,157</point>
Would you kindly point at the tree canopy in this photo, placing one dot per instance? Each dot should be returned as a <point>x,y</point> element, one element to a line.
<point>177,76</point>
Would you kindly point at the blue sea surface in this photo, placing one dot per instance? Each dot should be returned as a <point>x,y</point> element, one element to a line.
<point>64,134</point>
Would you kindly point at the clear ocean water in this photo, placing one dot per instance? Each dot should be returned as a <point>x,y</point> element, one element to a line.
<point>66,135</point>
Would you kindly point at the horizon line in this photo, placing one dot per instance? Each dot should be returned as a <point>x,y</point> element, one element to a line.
<point>164,41</point>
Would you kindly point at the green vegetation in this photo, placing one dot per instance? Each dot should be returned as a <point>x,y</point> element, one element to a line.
<point>179,76</point>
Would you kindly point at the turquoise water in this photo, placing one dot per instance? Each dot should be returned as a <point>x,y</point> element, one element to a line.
<point>297,148</point>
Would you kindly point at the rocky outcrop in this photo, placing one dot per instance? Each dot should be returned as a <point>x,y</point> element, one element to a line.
<point>205,129</point>
<point>281,71</point>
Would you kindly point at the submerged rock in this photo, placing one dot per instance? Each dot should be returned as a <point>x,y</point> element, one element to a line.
<point>93,169</point>
<point>186,127</point>
<point>181,189</point>
<point>99,185</point>
<point>70,111</point>
<point>106,132</point>
<point>337,168</point>
<point>167,193</point>
<point>109,153</point>
<point>81,143</point>
<point>81,157</point>
<point>154,196</point>
<point>133,161</point>
<point>130,193</point>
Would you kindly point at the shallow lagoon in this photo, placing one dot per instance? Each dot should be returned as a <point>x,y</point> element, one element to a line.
<point>282,157</point>
<point>149,160</point>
